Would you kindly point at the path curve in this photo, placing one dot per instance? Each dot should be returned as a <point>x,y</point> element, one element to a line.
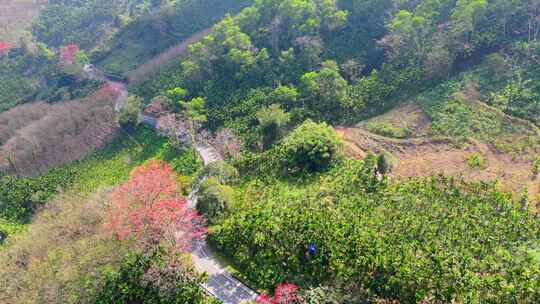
<point>221,283</point>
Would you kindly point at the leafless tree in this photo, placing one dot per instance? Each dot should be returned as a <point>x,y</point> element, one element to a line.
<point>16,118</point>
<point>227,143</point>
<point>67,132</point>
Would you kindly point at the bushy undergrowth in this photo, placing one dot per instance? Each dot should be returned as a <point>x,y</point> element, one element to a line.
<point>433,239</point>
<point>60,256</point>
<point>388,129</point>
<point>71,253</point>
<point>151,279</point>
<point>457,111</point>
<point>20,197</point>
<point>169,24</point>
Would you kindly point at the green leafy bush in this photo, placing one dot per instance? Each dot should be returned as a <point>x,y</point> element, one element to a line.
<point>311,147</point>
<point>388,129</point>
<point>477,161</point>
<point>213,199</point>
<point>151,279</point>
<point>183,159</point>
<point>536,166</point>
<point>129,116</point>
<point>222,171</point>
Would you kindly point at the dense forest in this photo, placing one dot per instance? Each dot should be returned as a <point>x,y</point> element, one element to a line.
<point>322,151</point>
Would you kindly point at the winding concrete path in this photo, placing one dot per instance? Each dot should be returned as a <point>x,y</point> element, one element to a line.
<point>221,283</point>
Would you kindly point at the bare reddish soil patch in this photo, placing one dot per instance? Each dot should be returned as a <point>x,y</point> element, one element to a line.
<point>421,155</point>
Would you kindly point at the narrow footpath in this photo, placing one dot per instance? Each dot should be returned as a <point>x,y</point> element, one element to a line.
<point>221,283</point>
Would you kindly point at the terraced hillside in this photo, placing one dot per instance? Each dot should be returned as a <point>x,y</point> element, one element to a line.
<point>16,16</point>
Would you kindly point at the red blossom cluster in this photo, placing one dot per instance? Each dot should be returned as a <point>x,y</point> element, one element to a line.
<point>68,53</point>
<point>148,209</point>
<point>108,90</point>
<point>285,293</point>
<point>4,47</point>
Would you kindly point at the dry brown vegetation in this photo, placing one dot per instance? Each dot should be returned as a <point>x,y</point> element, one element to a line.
<point>422,155</point>
<point>144,71</point>
<point>65,248</point>
<point>16,118</point>
<point>16,16</point>
<point>65,133</point>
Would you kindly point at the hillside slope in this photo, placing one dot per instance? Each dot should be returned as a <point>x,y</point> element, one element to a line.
<point>16,16</point>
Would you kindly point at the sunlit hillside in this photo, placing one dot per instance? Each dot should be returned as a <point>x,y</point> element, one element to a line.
<point>16,16</point>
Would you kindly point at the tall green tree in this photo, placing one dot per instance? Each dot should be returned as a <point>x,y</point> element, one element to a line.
<point>325,91</point>
<point>129,115</point>
<point>272,120</point>
<point>194,111</point>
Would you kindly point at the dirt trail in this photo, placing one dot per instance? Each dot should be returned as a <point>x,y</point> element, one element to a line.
<point>145,70</point>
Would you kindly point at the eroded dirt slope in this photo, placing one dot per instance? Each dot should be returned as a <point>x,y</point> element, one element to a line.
<point>422,154</point>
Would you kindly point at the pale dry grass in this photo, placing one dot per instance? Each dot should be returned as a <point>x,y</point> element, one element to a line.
<point>64,247</point>
<point>16,16</point>
<point>153,66</point>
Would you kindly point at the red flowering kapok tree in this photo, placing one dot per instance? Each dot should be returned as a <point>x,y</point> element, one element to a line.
<point>4,47</point>
<point>108,90</point>
<point>264,299</point>
<point>149,210</point>
<point>68,53</point>
<point>285,293</point>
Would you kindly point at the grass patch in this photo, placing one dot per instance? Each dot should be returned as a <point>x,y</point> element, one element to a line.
<point>536,166</point>
<point>389,130</point>
<point>462,117</point>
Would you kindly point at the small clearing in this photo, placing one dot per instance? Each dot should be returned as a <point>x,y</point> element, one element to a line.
<point>422,154</point>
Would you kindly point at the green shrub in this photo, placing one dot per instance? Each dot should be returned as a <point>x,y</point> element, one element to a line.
<point>213,199</point>
<point>221,170</point>
<point>536,166</point>
<point>183,159</point>
<point>413,241</point>
<point>129,116</point>
<point>151,279</point>
<point>311,147</point>
<point>389,130</point>
<point>477,161</point>
<point>386,162</point>
<point>272,120</point>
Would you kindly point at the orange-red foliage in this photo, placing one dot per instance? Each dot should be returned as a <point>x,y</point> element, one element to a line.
<point>285,293</point>
<point>149,209</point>
<point>4,47</point>
<point>68,53</point>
